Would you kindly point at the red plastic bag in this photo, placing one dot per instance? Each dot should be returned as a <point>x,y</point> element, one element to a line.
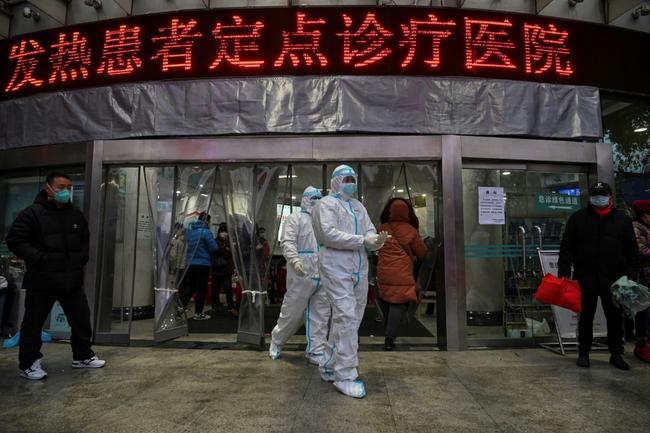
<point>561,292</point>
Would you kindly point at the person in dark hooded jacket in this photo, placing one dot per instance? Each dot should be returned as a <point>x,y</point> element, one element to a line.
<point>397,285</point>
<point>599,243</point>
<point>52,236</point>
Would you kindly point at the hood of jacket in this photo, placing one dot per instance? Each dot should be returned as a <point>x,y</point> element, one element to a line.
<point>399,212</point>
<point>198,225</point>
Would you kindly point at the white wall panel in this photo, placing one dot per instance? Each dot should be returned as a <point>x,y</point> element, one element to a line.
<point>246,3</point>
<point>4,25</point>
<point>54,8</point>
<point>21,25</point>
<point>78,12</point>
<point>141,7</point>
<point>523,6</point>
<point>641,24</point>
<point>588,10</point>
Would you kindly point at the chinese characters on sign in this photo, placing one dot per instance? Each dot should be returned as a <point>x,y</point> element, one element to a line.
<point>491,205</point>
<point>286,41</point>
<point>557,202</point>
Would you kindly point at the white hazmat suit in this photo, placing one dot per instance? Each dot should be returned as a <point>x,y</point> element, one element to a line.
<point>344,232</point>
<point>304,298</point>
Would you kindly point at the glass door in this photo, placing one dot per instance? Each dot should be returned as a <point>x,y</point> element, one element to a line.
<point>418,183</point>
<point>509,213</point>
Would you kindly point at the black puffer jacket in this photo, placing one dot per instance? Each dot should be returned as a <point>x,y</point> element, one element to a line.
<point>601,250</point>
<point>54,244</point>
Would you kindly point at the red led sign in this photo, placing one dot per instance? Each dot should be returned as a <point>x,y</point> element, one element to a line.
<point>322,41</point>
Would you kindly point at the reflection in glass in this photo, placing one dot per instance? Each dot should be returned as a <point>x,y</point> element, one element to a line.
<point>251,195</point>
<point>502,268</point>
<point>120,231</point>
<point>191,196</point>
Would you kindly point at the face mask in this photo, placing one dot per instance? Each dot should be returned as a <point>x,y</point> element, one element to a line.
<point>599,200</point>
<point>313,201</point>
<point>223,236</point>
<point>62,196</point>
<point>349,189</point>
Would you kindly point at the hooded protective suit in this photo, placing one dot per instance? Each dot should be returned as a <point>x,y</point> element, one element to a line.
<point>342,228</point>
<point>304,298</point>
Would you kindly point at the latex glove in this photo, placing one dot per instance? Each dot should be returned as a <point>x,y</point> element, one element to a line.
<point>299,267</point>
<point>374,241</point>
<point>381,239</point>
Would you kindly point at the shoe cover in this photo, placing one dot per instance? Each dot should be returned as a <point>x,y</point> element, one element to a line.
<point>351,388</point>
<point>274,351</point>
<point>45,337</point>
<point>11,342</point>
<point>326,374</point>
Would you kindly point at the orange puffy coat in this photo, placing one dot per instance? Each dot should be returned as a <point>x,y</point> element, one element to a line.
<point>398,255</point>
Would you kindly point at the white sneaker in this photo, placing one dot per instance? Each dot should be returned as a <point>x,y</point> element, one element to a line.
<point>93,362</point>
<point>274,351</point>
<point>327,374</point>
<point>351,388</point>
<point>35,372</point>
<point>202,317</point>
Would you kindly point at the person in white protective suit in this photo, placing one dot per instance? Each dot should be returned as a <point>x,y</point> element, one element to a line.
<point>344,232</point>
<point>304,298</point>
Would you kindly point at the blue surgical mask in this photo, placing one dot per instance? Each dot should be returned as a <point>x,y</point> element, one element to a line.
<point>599,200</point>
<point>349,189</point>
<point>62,196</point>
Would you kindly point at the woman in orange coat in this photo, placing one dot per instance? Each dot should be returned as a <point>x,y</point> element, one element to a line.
<point>396,260</point>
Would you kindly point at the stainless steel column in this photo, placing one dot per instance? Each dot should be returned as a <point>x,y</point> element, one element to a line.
<point>605,163</point>
<point>452,316</point>
<point>92,207</point>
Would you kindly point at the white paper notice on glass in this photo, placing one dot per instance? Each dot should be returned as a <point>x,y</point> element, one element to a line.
<point>491,205</point>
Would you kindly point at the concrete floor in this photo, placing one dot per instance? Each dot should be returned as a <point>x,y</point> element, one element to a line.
<point>181,390</point>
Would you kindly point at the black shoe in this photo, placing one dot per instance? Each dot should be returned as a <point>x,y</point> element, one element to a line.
<point>618,362</point>
<point>389,344</point>
<point>583,360</point>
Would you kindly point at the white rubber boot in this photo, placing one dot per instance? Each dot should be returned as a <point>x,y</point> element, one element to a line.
<point>274,351</point>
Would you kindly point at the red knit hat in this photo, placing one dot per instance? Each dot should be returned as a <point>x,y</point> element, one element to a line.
<point>641,206</point>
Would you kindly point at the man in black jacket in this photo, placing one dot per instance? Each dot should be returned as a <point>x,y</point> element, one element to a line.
<point>52,237</point>
<point>599,242</point>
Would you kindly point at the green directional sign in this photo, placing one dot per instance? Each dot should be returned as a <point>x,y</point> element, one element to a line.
<point>557,202</point>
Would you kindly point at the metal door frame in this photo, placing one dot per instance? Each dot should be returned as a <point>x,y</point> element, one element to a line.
<point>452,150</point>
<point>492,152</point>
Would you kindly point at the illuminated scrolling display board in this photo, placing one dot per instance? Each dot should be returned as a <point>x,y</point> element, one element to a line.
<point>325,41</point>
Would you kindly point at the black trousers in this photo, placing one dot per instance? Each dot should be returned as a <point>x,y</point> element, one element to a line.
<point>642,324</point>
<point>614,316</point>
<point>226,282</point>
<point>37,307</point>
<point>392,317</point>
<point>195,281</point>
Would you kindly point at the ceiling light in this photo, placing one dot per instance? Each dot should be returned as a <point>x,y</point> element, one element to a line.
<point>506,173</point>
<point>642,10</point>
<point>400,190</point>
<point>31,13</point>
<point>284,176</point>
<point>93,3</point>
<point>200,186</point>
<point>424,195</point>
<point>293,197</point>
<point>640,129</point>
